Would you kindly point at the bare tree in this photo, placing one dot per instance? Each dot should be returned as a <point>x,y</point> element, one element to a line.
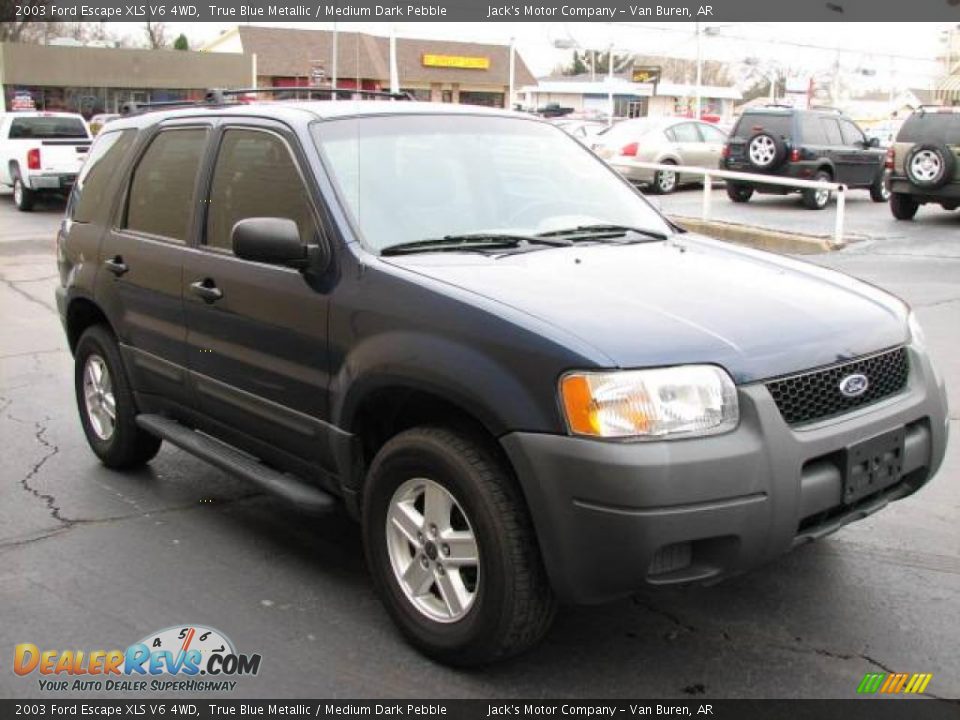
<point>156,35</point>
<point>26,31</point>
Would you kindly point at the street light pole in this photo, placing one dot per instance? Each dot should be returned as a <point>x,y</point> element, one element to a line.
<point>333,64</point>
<point>610,87</point>
<point>513,61</point>
<point>394,74</point>
<point>696,104</point>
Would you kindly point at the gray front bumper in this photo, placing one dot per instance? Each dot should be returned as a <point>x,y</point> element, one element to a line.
<point>612,517</point>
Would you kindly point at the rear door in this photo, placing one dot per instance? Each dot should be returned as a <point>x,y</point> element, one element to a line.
<point>258,351</point>
<point>139,283</point>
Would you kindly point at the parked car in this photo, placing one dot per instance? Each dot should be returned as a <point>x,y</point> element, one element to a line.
<point>814,144</point>
<point>41,152</point>
<point>98,121</point>
<point>923,162</point>
<point>666,140</point>
<point>462,326</point>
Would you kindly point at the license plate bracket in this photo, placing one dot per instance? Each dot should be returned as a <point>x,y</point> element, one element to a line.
<point>872,465</point>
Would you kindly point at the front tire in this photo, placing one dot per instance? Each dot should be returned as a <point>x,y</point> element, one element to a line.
<point>105,401</point>
<point>880,190</point>
<point>817,199</point>
<point>23,197</point>
<point>452,550</point>
<point>903,206</point>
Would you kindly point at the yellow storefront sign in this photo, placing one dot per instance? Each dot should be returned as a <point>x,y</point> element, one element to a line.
<point>456,61</point>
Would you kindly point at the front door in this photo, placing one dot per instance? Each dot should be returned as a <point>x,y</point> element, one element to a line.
<point>256,335</point>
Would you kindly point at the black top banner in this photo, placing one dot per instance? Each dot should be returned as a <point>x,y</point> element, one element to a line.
<point>482,10</point>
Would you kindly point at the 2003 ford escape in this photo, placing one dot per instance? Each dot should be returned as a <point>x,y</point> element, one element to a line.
<point>527,385</point>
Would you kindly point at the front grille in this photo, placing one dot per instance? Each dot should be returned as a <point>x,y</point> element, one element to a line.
<point>816,395</point>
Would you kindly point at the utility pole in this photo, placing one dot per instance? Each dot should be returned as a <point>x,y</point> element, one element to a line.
<point>394,74</point>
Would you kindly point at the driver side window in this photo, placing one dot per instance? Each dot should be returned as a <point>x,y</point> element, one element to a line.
<point>255,176</point>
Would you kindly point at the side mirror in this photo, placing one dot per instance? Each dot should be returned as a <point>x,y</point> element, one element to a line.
<point>270,240</point>
<point>873,142</point>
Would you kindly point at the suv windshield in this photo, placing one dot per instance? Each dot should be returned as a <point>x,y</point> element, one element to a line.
<point>417,177</point>
<point>931,127</point>
<point>777,124</point>
<point>48,128</point>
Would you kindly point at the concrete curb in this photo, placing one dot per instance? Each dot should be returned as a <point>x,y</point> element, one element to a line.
<point>758,237</point>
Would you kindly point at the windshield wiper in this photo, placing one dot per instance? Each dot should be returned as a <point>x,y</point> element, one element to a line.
<point>601,231</point>
<point>472,241</point>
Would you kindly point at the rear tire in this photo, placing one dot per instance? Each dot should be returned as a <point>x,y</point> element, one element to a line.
<point>665,181</point>
<point>107,409</point>
<point>23,197</point>
<point>903,206</point>
<point>739,193</point>
<point>817,199</point>
<point>503,600</point>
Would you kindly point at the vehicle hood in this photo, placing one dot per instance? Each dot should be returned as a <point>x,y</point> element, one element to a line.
<point>688,300</point>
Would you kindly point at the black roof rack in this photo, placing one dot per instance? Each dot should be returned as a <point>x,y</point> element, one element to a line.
<point>935,106</point>
<point>216,97</point>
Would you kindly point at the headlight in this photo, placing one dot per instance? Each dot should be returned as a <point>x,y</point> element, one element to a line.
<point>665,402</point>
<point>917,337</point>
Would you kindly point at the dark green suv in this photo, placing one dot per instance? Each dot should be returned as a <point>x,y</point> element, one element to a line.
<point>923,162</point>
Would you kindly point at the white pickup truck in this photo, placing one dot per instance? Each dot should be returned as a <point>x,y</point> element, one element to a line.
<point>41,152</point>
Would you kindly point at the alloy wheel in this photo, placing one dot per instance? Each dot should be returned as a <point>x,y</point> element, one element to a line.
<point>433,550</point>
<point>99,399</point>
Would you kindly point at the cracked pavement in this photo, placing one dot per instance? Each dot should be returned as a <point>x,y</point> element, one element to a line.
<point>93,559</point>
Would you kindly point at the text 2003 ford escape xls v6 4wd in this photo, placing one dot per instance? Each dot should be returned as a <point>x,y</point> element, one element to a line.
<point>526,384</point>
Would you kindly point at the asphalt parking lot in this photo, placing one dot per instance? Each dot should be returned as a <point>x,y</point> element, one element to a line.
<point>90,558</point>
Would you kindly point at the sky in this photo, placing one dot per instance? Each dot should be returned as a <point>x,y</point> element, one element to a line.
<point>898,54</point>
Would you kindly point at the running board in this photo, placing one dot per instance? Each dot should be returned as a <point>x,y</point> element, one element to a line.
<point>305,497</point>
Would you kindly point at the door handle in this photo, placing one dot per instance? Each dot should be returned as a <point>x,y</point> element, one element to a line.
<point>116,265</point>
<point>207,290</point>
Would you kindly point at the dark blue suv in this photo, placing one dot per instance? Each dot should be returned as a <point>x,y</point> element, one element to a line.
<point>463,328</point>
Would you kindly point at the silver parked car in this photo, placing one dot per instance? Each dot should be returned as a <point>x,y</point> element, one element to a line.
<point>667,140</point>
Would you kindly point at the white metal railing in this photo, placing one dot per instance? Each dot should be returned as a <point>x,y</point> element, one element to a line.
<point>709,174</point>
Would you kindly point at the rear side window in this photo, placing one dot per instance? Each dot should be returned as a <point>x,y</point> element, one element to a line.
<point>48,128</point>
<point>753,123</point>
<point>684,133</point>
<point>255,176</point>
<point>812,131</point>
<point>161,192</point>
<point>101,166</point>
<point>711,134</point>
<point>931,127</point>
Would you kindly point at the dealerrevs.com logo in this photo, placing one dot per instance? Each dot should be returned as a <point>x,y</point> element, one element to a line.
<point>188,658</point>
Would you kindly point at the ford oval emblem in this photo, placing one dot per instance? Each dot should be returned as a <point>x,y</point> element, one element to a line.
<point>854,385</point>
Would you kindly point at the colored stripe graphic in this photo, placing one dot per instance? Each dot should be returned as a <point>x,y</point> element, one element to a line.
<point>894,683</point>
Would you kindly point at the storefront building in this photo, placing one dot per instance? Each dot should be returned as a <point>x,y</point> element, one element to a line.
<point>92,80</point>
<point>433,70</point>
<point>630,99</point>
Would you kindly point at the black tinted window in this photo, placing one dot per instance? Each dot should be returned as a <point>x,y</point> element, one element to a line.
<point>831,129</point>
<point>48,128</point>
<point>161,192</point>
<point>101,166</point>
<point>752,123</point>
<point>255,176</point>
<point>931,127</point>
<point>811,130</point>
